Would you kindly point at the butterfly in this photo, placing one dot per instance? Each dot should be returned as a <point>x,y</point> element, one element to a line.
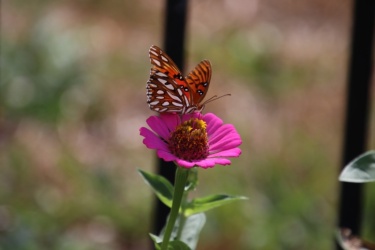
<point>169,91</point>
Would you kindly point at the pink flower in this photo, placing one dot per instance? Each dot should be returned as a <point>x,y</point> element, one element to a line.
<point>192,139</point>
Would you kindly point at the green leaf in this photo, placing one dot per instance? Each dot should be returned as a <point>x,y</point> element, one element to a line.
<point>178,245</point>
<point>209,202</point>
<point>157,241</point>
<point>361,169</point>
<point>191,229</point>
<point>155,238</point>
<point>173,245</point>
<point>161,186</point>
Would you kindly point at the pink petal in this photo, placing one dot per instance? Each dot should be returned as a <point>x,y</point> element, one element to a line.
<point>205,163</point>
<point>234,152</point>
<point>224,144</point>
<point>213,122</point>
<point>211,162</point>
<point>224,127</point>
<point>151,140</point>
<point>186,164</point>
<point>167,156</point>
<point>158,126</point>
<point>170,120</point>
<point>226,130</point>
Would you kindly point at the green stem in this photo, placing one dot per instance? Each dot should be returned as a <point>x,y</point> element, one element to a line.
<point>181,225</point>
<point>182,217</point>
<point>179,186</point>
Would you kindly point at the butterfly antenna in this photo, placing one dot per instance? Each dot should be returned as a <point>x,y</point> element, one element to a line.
<point>214,98</point>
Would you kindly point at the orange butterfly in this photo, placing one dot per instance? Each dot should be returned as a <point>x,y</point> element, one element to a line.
<point>169,91</point>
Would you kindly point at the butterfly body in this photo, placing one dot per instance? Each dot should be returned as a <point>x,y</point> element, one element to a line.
<point>169,91</point>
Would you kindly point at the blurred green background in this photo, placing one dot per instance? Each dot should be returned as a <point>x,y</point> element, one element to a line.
<point>72,100</point>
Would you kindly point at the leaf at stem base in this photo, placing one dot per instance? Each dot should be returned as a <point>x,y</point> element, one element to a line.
<point>160,185</point>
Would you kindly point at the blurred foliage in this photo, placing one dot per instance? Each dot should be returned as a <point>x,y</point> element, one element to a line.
<point>42,213</point>
<point>258,60</point>
<point>35,74</point>
<point>72,99</point>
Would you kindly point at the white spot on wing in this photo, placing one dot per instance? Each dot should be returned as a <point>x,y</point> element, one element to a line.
<point>169,86</point>
<point>162,81</point>
<point>165,104</point>
<point>178,104</point>
<point>156,62</point>
<point>153,52</point>
<point>161,74</point>
<point>160,92</point>
<point>164,58</point>
<point>154,102</point>
<point>191,109</point>
<point>174,97</point>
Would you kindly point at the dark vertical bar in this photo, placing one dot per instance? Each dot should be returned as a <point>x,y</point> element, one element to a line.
<point>174,40</point>
<point>175,26</point>
<point>357,109</point>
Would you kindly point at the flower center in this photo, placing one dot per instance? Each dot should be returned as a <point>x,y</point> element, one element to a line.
<point>189,141</point>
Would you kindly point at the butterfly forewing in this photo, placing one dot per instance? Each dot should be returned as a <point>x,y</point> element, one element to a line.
<point>162,62</point>
<point>168,91</point>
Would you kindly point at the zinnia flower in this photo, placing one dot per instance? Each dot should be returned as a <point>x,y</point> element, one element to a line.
<point>192,139</point>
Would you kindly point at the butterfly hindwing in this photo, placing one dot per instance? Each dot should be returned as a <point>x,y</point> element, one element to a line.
<point>163,94</point>
<point>198,81</point>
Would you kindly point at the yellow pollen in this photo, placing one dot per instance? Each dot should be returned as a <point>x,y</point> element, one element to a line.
<point>189,141</point>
